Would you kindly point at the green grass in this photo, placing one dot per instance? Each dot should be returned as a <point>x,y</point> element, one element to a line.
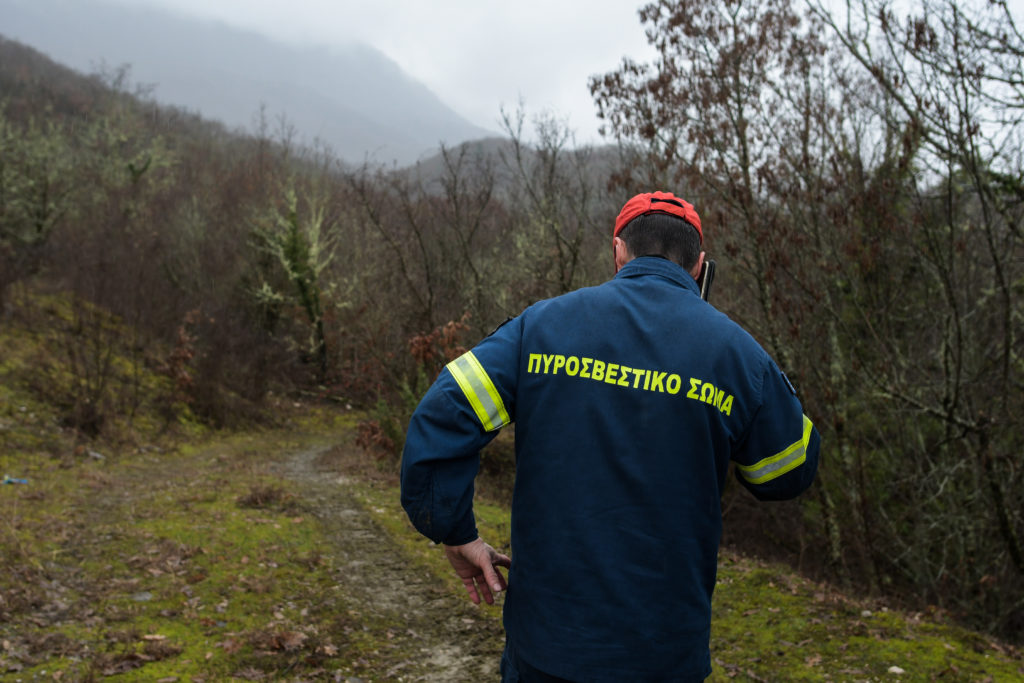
<point>771,624</point>
<point>196,565</point>
<point>200,564</point>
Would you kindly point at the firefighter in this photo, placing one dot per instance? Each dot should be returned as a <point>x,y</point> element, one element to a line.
<point>629,399</point>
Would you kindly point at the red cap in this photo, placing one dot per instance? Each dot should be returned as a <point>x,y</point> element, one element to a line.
<point>658,202</point>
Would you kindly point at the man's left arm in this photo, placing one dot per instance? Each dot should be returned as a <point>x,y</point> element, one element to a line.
<point>779,456</point>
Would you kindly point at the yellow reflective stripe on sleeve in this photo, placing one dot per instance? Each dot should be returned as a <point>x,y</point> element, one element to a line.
<point>780,463</point>
<point>480,391</point>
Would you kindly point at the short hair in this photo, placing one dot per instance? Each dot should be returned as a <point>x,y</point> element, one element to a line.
<point>664,235</point>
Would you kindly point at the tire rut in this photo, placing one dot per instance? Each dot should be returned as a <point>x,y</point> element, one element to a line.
<point>441,637</point>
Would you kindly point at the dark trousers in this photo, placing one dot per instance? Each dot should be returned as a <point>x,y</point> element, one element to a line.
<point>515,670</point>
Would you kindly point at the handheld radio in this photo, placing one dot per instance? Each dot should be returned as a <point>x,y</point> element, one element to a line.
<point>707,276</point>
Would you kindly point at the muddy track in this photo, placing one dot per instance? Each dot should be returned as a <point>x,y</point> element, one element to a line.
<point>437,636</point>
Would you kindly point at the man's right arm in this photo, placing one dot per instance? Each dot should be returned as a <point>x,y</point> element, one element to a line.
<point>439,463</point>
<point>460,413</point>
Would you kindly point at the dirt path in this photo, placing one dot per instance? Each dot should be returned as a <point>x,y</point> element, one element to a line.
<point>439,637</point>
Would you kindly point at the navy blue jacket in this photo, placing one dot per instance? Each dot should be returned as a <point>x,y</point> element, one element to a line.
<point>629,400</point>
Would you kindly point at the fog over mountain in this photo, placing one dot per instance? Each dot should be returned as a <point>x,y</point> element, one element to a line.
<point>353,98</point>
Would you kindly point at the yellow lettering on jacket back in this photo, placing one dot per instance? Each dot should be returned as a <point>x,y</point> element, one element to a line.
<point>643,379</point>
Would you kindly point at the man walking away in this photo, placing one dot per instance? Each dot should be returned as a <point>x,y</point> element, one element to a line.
<point>629,399</point>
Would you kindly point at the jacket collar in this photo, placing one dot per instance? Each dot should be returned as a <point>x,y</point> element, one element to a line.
<point>654,265</point>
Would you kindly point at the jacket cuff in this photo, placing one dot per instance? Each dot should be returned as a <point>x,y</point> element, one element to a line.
<point>463,532</point>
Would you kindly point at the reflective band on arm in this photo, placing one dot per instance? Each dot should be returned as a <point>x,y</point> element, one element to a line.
<point>480,391</point>
<point>780,463</point>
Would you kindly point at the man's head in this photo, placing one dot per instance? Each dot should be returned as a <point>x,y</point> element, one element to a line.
<point>659,224</point>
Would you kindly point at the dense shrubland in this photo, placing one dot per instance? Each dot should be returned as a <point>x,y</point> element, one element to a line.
<point>260,265</point>
<point>860,179</point>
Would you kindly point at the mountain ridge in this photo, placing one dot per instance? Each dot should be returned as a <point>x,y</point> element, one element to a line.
<point>352,98</point>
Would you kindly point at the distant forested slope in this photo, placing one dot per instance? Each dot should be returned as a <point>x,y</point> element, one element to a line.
<point>352,98</point>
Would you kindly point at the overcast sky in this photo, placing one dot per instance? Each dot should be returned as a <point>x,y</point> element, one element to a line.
<point>476,55</point>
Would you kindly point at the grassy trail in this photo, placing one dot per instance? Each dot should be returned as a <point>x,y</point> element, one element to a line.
<point>434,633</point>
<point>276,556</point>
<point>248,558</point>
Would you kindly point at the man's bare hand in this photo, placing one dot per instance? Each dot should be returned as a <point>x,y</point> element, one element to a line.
<point>477,564</point>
